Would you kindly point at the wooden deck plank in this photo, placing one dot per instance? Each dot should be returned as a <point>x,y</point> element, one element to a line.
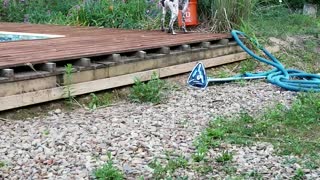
<point>86,42</point>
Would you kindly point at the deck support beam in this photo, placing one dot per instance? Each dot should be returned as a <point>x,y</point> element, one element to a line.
<point>141,54</point>
<point>84,62</point>
<point>164,50</point>
<point>224,41</point>
<point>115,57</point>
<point>8,73</point>
<point>205,44</point>
<point>49,67</point>
<point>186,47</point>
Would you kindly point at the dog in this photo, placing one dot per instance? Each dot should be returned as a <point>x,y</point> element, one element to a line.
<point>174,6</point>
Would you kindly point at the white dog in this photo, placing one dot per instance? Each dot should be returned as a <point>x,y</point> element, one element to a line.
<point>174,6</point>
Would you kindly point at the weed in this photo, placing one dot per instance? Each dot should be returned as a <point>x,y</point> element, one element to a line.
<point>168,169</point>
<point>107,13</point>
<point>279,21</point>
<point>152,91</point>
<point>221,15</point>
<point>313,162</point>
<point>201,153</point>
<point>241,82</point>
<point>46,132</point>
<point>292,130</point>
<point>248,66</point>
<point>67,84</point>
<point>224,157</point>
<point>222,74</point>
<point>108,171</point>
<point>255,175</point>
<point>96,101</point>
<point>208,139</point>
<point>228,169</point>
<point>184,122</point>
<point>2,164</point>
<point>203,169</point>
<point>299,175</point>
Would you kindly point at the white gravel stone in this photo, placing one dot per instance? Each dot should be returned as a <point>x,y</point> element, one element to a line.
<point>77,142</point>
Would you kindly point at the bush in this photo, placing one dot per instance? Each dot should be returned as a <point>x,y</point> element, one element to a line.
<point>152,91</point>
<point>106,13</point>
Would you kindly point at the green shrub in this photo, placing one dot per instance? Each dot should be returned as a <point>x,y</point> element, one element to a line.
<point>152,91</point>
<point>106,13</point>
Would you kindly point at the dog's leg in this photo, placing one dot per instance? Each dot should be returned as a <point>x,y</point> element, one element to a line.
<point>163,18</point>
<point>183,12</point>
<point>174,7</point>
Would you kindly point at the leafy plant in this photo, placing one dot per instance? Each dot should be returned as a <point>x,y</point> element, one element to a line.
<point>299,174</point>
<point>67,84</point>
<point>108,171</point>
<point>96,101</point>
<point>201,152</point>
<point>168,169</point>
<point>2,164</point>
<point>113,14</point>
<point>152,91</point>
<point>292,130</point>
<point>203,169</point>
<point>46,132</point>
<point>248,66</point>
<point>224,157</point>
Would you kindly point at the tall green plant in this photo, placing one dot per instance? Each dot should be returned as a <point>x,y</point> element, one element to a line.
<point>152,91</point>
<point>113,14</point>
<point>223,15</point>
<point>67,84</point>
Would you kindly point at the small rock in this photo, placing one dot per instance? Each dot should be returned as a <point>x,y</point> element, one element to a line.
<point>57,111</point>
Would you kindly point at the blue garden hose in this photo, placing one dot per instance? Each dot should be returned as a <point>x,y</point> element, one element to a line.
<point>289,79</point>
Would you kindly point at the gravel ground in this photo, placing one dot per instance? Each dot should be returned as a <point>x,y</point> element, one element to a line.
<point>71,145</point>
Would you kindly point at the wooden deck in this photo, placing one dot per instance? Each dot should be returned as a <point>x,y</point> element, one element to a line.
<point>82,42</point>
<point>101,59</point>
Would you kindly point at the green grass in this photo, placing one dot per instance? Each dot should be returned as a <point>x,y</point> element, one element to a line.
<point>46,132</point>
<point>99,101</point>
<point>224,157</point>
<point>292,131</point>
<point>68,91</point>
<point>108,171</point>
<point>2,164</point>
<point>151,91</point>
<point>248,65</point>
<point>105,13</point>
<point>280,21</point>
<point>299,174</point>
<point>167,169</point>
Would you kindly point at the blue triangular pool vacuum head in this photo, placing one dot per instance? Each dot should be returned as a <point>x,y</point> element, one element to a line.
<point>198,77</point>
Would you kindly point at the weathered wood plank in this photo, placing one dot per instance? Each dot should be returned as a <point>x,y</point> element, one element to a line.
<point>20,100</point>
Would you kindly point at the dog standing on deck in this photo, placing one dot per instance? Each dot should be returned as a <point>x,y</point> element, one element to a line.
<point>174,6</point>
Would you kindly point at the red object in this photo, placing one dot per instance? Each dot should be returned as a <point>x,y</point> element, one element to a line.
<point>191,14</point>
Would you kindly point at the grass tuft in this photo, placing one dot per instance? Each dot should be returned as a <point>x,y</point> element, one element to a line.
<point>292,130</point>
<point>108,171</point>
<point>151,91</point>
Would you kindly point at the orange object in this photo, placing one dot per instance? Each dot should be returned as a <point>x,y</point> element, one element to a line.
<point>191,14</point>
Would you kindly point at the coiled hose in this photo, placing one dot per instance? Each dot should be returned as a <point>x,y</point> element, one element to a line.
<point>289,79</point>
